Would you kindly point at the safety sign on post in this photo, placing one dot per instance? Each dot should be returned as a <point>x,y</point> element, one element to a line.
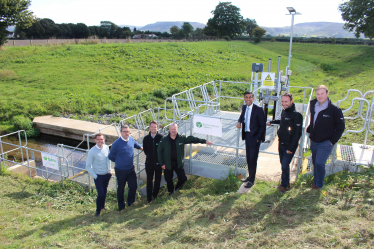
<point>267,80</point>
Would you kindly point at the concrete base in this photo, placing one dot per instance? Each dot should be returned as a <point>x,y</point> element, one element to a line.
<point>363,156</point>
<point>24,170</point>
<point>74,129</point>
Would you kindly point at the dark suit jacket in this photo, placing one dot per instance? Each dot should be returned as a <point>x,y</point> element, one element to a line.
<point>257,124</point>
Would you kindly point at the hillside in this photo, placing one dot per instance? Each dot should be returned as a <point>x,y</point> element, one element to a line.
<point>165,26</point>
<point>312,29</point>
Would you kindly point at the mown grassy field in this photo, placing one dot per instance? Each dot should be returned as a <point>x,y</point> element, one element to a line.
<point>128,78</point>
<point>205,214</point>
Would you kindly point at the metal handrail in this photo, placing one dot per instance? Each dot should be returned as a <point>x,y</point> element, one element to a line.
<point>367,115</point>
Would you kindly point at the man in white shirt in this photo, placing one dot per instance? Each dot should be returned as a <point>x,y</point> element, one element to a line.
<point>98,166</point>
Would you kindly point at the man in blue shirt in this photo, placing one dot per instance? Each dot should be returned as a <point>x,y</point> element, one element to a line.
<point>122,153</point>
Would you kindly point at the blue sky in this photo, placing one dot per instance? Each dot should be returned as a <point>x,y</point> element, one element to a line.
<point>268,13</point>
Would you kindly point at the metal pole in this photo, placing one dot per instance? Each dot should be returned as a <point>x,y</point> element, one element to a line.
<point>289,53</point>
<point>300,153</point>
<point>191,127</point>
<point>20,144</point>
<point>2,153</point>
<point>269,66</point>
<point>237,151</point>
<point>138,170</point>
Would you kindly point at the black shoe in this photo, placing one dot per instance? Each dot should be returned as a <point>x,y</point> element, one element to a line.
<point>248,185</point>
<point>245,179</point>
<point>149,200</point>
<point>97,214</point>
<point>121,209</point>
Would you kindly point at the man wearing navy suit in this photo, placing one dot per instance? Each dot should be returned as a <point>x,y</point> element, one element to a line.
<point>253,123</point>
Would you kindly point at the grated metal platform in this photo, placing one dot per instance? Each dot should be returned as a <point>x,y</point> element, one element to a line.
<point>347,153</point>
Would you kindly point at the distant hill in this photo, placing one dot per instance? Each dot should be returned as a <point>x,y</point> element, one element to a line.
<point>165,26</point>
<point>312,29</point>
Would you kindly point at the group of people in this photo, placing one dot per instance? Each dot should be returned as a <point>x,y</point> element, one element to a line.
<point>166,153</point>
<point>162,153</point>
<point>325,129</point>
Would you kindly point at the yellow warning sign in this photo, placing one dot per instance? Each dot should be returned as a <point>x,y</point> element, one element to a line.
<point>267,79</point>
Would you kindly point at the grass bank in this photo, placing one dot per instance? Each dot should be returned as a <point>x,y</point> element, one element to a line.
<point>206,213</point>
<point>128,78</point>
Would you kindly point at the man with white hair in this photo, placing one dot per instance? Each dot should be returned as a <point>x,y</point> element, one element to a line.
<point>171,156</point>
<point>122,153</point>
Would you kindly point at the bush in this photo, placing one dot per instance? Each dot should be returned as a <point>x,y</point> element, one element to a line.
<point>326,67</point>
<point>227,38</point>
<point>159,93</point>
<point>24,123</point>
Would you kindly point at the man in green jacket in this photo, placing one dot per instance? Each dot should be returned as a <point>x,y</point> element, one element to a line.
<point>171,156</point>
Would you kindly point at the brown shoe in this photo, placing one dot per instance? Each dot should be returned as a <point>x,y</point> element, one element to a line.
<point>282,189</point>
<point>314,187</point>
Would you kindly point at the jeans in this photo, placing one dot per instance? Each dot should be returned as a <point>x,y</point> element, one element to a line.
<point>285,160</point>
<point>124,176</point>
<point>101,183</point>
<point>320,154</point>
<point>152,190</point>
<point>168,174</point>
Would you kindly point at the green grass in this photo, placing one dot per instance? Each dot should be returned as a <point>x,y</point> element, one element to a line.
<point>129,78</point>
<point>206,213</point>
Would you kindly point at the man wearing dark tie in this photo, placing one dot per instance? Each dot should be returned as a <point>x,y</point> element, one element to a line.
<point>253,123</point>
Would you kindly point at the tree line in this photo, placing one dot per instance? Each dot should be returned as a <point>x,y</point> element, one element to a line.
<point>46,28</point>
<point>226,22</point>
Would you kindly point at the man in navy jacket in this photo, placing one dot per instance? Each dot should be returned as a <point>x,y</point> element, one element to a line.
<point>325,129</point>
<point>253,123</point>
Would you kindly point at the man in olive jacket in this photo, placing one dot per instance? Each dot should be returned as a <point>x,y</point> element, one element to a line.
<point>171,156</point>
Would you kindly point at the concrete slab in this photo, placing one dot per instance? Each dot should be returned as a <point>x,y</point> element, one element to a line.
<point>24,169</point>
<point>363,156</point>
<point>74,129</point>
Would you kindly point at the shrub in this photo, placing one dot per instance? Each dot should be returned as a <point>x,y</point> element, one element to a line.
<point>24,123</point>
<point>326,67</point>
<point>159,93</point>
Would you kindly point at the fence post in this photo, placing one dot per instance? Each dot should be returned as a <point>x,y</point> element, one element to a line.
<point>191,127</point>
<point>237,151</point>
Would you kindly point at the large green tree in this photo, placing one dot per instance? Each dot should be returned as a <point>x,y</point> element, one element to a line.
<point>227,20</point>
<point>359,17</point>
<point>249,26</point>
<point>14,12</point>
<point>187,28</point>
<point>258,32</point>
<point>174,30</point>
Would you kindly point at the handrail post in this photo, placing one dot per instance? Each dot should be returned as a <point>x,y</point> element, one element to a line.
<point>191,127</point>
<point>237,151</point>
<point>138,170</point>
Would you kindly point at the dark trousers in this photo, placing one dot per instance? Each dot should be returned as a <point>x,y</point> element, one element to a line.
<point>285,160</point>
<point>252,148</point>
<point>169,177</point>
<point>101,183</point>
<point>124,176</point>
<point>152,190</point>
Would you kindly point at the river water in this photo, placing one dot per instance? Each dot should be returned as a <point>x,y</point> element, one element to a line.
<point>48,144</point>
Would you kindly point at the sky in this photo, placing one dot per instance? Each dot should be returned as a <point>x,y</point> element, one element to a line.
<point>267,13</point>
